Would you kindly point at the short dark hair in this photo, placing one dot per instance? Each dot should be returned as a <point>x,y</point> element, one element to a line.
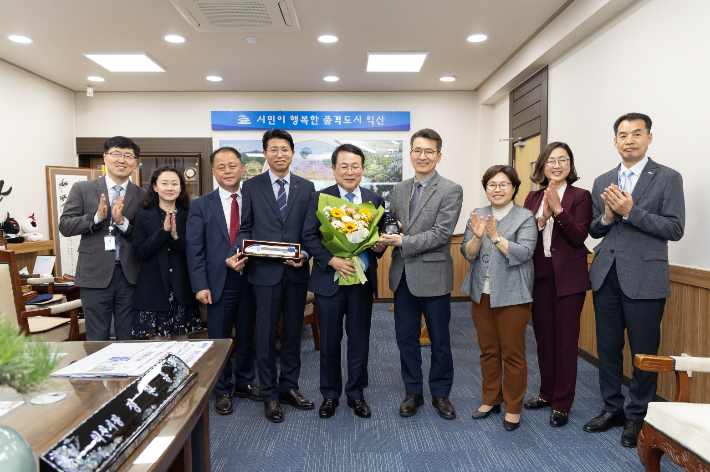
<point>275,133</point>
<point>427,133</point>
<point>539,175</point>
<point>227,149</point>
<point>507,170</point>
<point>632,117</point>
<point>121,142</point>
<point>347,148</point>
<point>151,197</point>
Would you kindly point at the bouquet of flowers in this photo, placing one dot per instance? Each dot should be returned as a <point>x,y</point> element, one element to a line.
<point>348,229</point>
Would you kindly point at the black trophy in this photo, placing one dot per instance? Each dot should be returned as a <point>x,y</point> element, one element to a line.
<point>391,226</point>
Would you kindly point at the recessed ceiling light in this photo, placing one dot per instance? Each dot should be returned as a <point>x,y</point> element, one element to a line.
<point>477,38</point>
<point>174,38</point>
<point>95,78</point>
<point>395,61</point>
<point>20,39</point>
<point>214,78</point>
<point>447,78</point>
<point>327,38</point>
<point>331,78</point>
<point>125,62</point>
<point>251,40</point>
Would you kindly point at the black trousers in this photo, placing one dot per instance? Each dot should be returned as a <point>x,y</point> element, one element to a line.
<point>355,303</point>
<point>102,304</point>
<point>271,301</point>
<point>642,320</point>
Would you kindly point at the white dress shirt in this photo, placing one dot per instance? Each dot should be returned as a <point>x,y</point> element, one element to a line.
<point>111,184</point>
<point>275,185</point>
<point>636,170</point>
<point>226,199</point>
<point>549,224</point>
<point>358,197</point>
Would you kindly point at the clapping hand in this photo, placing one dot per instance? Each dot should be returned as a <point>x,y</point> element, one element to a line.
<point>478,226</point>
<point>620,202</point>
<point>491,228</point>
<point>552,201</point>
<point>102,211</point>
<point>117,211</point>
<point>170,226</point>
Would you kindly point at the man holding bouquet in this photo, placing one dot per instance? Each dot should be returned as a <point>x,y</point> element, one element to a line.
<point>332,298</point>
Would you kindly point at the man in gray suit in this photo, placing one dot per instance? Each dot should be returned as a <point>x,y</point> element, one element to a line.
<point>427,208</point>
<point>638,208</point>
<point>102,212</point>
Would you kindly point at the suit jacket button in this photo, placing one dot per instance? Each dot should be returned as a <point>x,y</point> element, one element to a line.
<point>168,249</point>
<point>284,232</point>
<point>485,258</point>
<point>612,251</point>
<point>171,270</point>
<point>552,249</point>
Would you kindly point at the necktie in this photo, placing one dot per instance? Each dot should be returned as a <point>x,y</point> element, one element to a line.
<point>116,194</point>
<point>415,198</point>
<point>627,183</point>
<point>234,219</point>
<point>363,255</point>
<point>281,198</point>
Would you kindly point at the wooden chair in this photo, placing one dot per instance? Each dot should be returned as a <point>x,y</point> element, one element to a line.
<point>679,429</point>
<point>40,322</point>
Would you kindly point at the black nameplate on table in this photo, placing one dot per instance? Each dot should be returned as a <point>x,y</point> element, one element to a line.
<point>106,438</point>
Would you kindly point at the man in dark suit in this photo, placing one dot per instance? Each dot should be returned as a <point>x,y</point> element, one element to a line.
<point>275,205</point>
<point>212,226</point>
<point>102,211</point>
<point>638,207</point>
<point>422,273</point>
<point>334,300</point>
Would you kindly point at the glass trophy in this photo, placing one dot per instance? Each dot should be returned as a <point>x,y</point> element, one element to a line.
<point>391,226</point>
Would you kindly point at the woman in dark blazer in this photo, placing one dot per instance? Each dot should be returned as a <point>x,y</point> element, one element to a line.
<point>563,214</point>
<point>164,303</point>
<point>499,243</point>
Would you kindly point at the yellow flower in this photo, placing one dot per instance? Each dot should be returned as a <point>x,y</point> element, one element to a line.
<point>366,213</point>
<point>350,227</point>
<point>336,213</point>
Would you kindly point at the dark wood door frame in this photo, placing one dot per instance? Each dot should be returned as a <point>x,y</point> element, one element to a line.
<point>530,119</point>
<point>167,146</point>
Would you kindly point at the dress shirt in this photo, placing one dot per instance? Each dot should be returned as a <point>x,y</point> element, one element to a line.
<point>111,184</point>
<point>498,214</point>
<point>275,185</point>
<point>636,173</point>
<point>547,230</point>
<point>423,183</point>
<point>358,196</point>
<point>226,199</point>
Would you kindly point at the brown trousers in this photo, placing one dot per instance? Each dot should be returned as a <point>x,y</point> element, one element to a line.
<point>501,337</point>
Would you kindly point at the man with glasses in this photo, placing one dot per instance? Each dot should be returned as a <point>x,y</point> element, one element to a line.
<point>101,212</point>
<point>427,208</point>
<point>275,205</point>
<point>212,226</point>
<point>334,300</point>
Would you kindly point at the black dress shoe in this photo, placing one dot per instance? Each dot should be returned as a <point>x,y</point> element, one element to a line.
<point>294,398</point>
<point>444,407</point>
<point>536,403</point>
<point>558,418</point>
<point>223,404</point>
<point>631,433</point>
<point>604,421</point>
<point>360,407</point>
<point>251,392</point>
<point>327,408</point>
<point>273,412</point>
<point>479,415</point>
<point>510,426</point>
<point>410,404</point>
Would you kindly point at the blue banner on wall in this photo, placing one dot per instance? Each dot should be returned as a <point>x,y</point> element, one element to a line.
<point>311,120</point>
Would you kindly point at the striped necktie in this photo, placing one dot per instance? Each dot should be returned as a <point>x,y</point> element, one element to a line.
<point>363,255</point>
<point>281,198</point>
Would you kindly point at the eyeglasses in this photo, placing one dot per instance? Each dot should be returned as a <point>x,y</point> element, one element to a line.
<point>352,168</point>
<point>275,151</point>
<point>562,161</point>
<point>503,186</point>
<point>427,152</point>
<point>118,155</point>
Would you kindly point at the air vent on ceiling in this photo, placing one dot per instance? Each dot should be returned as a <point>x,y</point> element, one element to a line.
<point>229,16</point>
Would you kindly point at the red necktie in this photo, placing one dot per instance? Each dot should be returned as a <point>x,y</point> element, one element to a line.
<point>234,220</point>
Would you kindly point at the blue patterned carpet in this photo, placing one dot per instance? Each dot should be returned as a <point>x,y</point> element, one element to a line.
<point>246,441</point>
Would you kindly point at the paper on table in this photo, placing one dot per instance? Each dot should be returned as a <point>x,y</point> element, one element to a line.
<point>7,406</point>
<point>23,271</point>
<point>44,265</point>
<point>155,449</point>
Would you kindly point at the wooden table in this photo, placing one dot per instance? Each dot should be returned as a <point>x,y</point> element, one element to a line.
<point>188,421</point>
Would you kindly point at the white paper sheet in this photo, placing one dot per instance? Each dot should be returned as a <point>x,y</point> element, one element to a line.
<point>155,449</point>
<point>44,265</point>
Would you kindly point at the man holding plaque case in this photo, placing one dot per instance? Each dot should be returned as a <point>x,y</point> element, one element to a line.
<point>334,300</point>
<point>274,209</point>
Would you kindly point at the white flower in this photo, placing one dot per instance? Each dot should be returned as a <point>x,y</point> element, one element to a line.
<point>337,224</point>
<point>346,219</point>
<point>356,216</point>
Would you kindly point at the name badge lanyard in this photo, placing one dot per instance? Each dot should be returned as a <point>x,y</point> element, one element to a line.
<point>110,239</point>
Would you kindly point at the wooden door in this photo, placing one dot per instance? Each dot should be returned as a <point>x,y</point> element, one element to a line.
<point>524,163</point>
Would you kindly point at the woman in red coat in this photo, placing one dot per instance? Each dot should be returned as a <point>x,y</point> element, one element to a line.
<point>563,214</point>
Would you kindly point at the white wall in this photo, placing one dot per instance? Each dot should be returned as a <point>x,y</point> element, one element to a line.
<point>37,129</point>
<point>187,114</point>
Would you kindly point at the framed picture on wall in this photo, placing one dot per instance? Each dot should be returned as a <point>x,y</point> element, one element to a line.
<point>60,180</point>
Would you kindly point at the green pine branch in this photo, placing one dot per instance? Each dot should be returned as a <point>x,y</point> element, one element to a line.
<point>24,363</point>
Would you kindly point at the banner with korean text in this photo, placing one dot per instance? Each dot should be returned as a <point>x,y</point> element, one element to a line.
<point>311,120</point>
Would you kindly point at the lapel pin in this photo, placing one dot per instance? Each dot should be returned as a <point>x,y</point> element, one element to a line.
<point>651,173</point>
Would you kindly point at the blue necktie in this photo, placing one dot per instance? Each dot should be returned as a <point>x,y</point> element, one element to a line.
<point>281,198</point>
<point>116,194</point>
<point>363,255</point>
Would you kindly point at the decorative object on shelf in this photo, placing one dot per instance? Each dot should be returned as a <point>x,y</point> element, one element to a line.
<point>106,438</point>
<point>29,226</point>
<point>11,229</point>
<point>190,174</point>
